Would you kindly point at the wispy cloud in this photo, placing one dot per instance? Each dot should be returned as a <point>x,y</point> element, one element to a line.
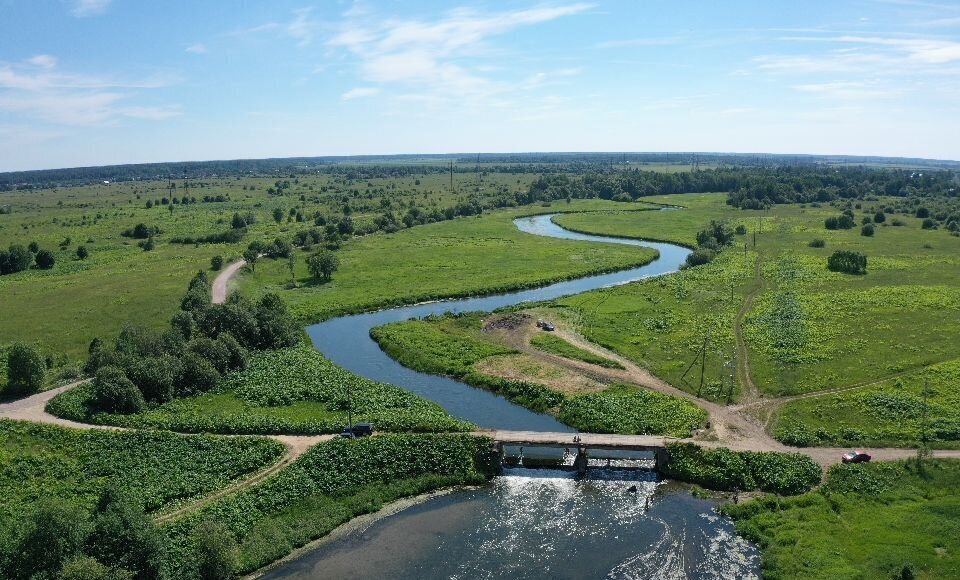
<point>198,48</point>
<point>429,54</point>
<point>38,90</point>
<point>301,27</point>
<point>85,8</point>
<point>846,90</point>
<point>43,61</point>
<point>924,50</point>
<point>359,93</point>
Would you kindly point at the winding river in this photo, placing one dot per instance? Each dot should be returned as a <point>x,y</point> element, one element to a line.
<point>529,523</point>
<point>346,340</point>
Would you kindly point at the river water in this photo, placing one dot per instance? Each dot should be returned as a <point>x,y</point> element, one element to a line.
<point>346,340</point>
<point>542,523</point>
<point>529,523</point>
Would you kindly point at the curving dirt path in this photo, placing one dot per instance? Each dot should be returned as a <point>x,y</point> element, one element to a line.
<point>218,292</point>
<point>750,391</point>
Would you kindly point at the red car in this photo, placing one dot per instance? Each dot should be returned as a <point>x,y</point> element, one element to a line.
<point>856,457</point>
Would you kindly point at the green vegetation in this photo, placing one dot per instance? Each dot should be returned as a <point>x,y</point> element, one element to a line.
<point>840,330</point>
<point>884,520</point>
<point>469,256</point>
<point>723,469</point>
<point>25,369</point>
<point>154,469</point>
<point>330,484</point>
<point>453,345</point>
<point>560,347</point>
<point>293,390</point>
<point>633,411</point>
<point>906,410</point>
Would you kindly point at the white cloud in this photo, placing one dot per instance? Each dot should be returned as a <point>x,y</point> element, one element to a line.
<point>301,28</point>
<point>84,8</point>
<point>43,61</point>
<point>73,99</point>
<point>429,54</point>
<point>845,90</point>
<point>359,93</point>
<point>198,48</point>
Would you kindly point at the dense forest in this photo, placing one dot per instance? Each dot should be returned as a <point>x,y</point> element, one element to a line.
<point>751,187</point>
<point>380,166</point>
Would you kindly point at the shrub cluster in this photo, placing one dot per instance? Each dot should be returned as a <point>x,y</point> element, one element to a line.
<point>710,242</point>
<point>16,258</point>
<point>844,221</point>
<point>723,469</point>
<point>205,341</point>
<point>848,262</point>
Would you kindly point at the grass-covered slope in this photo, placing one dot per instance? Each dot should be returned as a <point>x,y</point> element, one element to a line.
<point>555,345</point>
<point>884,520</point>
<point>329,485</point>
<point>154,469</point>
<point>294,390</point>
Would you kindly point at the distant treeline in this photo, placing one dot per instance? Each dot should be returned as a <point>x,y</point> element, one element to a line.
<point>371,167</point>
<point>750,187</point>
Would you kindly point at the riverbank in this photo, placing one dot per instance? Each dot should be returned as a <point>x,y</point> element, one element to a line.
<point>358,523</point>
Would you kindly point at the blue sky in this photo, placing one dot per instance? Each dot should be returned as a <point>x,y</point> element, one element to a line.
<point>89,82</point>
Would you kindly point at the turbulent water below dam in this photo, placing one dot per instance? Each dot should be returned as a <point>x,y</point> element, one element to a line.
<point>542,523</point>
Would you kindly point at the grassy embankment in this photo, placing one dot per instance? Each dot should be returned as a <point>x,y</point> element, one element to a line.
<point>155,469</point>
<point>884,520</point>
<point>295,391</point>
<point>329,485</point>
<point>555,345</point>
<point>458,347</point>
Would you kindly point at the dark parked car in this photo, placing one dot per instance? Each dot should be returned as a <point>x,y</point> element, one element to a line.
<point>855,457</point>
<point>359,430</point>
<point>548,327</point>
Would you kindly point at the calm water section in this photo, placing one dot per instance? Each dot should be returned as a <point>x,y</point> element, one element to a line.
<point>346,340</point>
<point>541,523</point>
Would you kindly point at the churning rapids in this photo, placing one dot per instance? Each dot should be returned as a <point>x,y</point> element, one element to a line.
<point>529,523</point>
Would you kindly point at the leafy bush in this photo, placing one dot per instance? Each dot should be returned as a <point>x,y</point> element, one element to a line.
<point>841,222</point>
<point>25,369</point>
<point>216,262</point>
<point>113,392</point>
<point>928,224</point>
<point>700,256</point>
<point>848,262</point>
<point>817,243</point>
<point>723,469</point>
<point>867,231</point>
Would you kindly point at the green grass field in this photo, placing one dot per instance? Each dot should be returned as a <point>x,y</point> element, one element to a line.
<point>155,469</point>
<point>65,307</point>
<point>886,520</point>
<point>466,256</point>
<point>809,329</point>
